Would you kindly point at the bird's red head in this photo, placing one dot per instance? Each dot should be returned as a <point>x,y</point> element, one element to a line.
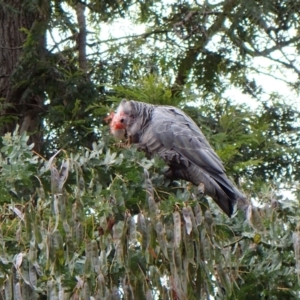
<point>116,123</point>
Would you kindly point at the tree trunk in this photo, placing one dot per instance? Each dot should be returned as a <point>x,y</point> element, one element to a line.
<point>20,105</point>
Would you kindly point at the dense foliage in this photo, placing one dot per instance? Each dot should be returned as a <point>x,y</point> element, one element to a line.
<point>94,224</point>
<point>85,217</point>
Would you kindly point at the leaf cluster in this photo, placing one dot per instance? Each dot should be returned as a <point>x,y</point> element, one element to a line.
<point>105,223</point>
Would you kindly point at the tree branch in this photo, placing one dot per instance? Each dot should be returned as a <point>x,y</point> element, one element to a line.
<point>135,36</point>
<point>191,55</point>
<point>278,46</point>
<point>56,44</point>
<point>287,65</point>
<point>11,48</point>
<point>81,36</point>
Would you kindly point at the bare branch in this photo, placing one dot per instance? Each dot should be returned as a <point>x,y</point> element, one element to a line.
<point>287,65</point>
<point>56,44</point>
<point>278,46</point>
<point>135,36</point>
<point>290,62</point>
<point>270,75</point>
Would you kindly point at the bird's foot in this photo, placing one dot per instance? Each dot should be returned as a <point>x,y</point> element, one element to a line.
<point>201,188</point>
<point>198,191</point>
<point>123,145</point>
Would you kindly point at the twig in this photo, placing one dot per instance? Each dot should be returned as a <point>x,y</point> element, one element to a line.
<point>234,242</point>
<point>11,48</point>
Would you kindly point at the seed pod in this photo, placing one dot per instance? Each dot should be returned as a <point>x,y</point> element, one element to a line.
<point>187,218</point>
<point>142,227</point>
<point>17,291</point>
<point>8,290</point>
<point>161,237</point>
<point>177,229</point>
<point>296,244</point>
<point>101,285</point>
<point>103,262</point>
<point>198,214</point>
<point>132,231</point>
<point>63,175</point>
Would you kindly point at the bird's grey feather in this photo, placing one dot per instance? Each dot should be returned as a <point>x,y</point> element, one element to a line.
<point>170,133</point>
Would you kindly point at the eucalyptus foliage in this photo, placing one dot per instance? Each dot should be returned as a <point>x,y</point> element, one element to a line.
<point>105,224</point>
<point>63,62</point>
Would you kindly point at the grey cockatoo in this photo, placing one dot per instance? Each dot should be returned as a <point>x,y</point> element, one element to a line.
<point>172,135</point>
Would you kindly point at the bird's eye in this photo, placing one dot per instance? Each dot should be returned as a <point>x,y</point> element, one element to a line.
<point>122,120</point>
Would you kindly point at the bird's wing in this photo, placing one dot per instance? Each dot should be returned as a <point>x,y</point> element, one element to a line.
<point>171,132</point>
<point>178,132</point>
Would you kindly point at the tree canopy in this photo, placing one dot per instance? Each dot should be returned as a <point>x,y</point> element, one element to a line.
<point>83,216</point>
